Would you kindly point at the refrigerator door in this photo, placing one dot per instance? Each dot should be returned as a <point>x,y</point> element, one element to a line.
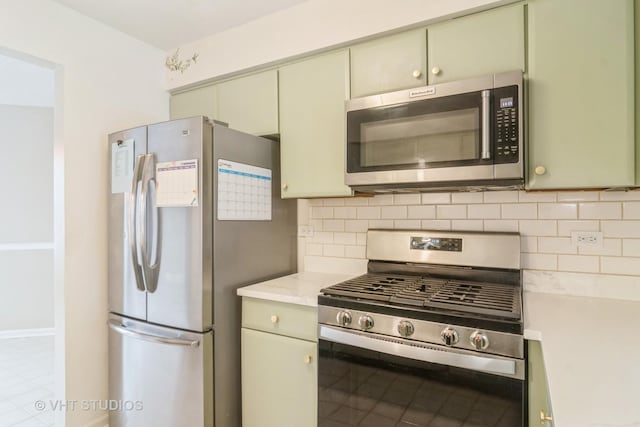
<point>159,376</point>
<point>178,239</point>
<point>127,294</point>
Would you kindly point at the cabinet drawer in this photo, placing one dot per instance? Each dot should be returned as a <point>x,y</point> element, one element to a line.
<point>292,320</point>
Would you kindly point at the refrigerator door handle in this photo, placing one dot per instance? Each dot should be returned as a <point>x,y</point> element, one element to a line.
<point>122,329</point>
<point>149,267</point>
<point>133,221</point>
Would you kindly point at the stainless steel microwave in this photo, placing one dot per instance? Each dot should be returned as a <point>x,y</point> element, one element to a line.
<point>450,136</point>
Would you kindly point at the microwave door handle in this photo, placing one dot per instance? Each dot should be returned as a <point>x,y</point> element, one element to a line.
<point>133,221</point>
<point>486,125</point>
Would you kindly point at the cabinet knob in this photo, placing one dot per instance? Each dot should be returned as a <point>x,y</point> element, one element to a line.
<point>545,418</point>
<point>435,71</point>
<point>274,319</point>
<point>540,170</point>
<point>307,359</point>
<point>417,74</point>
<point>285,187</point>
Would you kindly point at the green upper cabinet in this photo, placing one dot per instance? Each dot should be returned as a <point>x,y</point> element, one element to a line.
<point>478,44</point>
<point>581,94</point>
<point>389,63</point>
<point>312,126</point>
<point>250,103</point>
<point>196,102</point>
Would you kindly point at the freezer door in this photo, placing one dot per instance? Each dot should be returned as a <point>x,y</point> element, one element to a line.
<point>127,295</point>
<point>180,282</point>
<point>159,376</point>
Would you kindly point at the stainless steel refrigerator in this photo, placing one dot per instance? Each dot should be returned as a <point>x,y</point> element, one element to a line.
<point>194,213</point>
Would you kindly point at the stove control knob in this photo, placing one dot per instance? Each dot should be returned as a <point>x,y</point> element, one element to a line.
<point>343,318</point>
<point>405,328</point>
<point>365,322</point>
<point>449,336</point>
<point>479,340</point>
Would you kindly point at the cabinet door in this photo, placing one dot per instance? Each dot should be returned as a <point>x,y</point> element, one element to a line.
<point>478,44</point>
<point>581,94</point>
<point>389,63</point>
<point>250,103</point>
<point>279,380</point>
<point>538,388</point>
<point>196,102</point>
<point>312,126</point>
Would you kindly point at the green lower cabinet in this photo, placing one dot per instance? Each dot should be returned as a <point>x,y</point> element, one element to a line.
<point>312,126</point>
<point>478,44</point>
<point>196,102</point>
<point>539,403</point>
<point>581,94</point>
<point>250,103</point>
<point>279,380</point>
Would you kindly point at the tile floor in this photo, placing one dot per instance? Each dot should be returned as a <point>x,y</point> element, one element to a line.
<point>26,376</point>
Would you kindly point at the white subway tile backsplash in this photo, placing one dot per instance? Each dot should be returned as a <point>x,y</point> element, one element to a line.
<point>620,195</point>
<point>536,196</point>
<point>436,224</point>
<point>361,238</point>
<point>422,212</point>
<point>349,212</point>
<point>313,249</point>
<point>436,198</point>
<point>520,211</point>
<point>542,227</point>
<point>333,250</point>
<point>355,252</point>
<point>631,247</point>
<point>467,225</point>
<point>539,261</point>
<point>500,196</point>
<point>357,201</point>
<point>578,196</point>
<point>371,212</point>
<point>356,225</point>
<point>620,265</point>
<point>566,227</point>
<point>472,197</point>
<point>334,202</point>
<point>629,229</point>
<point>602,210</point>
<point>406,199</point>
<point>322,237</point>
<point>451,212</point>
<point>407,224</point>
<point>333,225</point>
<point>344,238</point>
<point>393,212</point>
<point>321,212</point>
<point>381,223</point>
<point>316,224</point>
<point>381,200</point>
<point>557,211</point>
<point>610,247</point>
<point>631,210</point>
<point>556,245</point>
<point>579,263</point>
<point>489,211</point>
<point>528,244</point>
<point>510,225</point>
<point>315,202</point>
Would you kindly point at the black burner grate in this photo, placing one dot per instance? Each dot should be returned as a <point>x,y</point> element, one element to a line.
<point>489,299</point>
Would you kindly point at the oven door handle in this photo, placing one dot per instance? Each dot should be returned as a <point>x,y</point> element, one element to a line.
<point>417,351</point>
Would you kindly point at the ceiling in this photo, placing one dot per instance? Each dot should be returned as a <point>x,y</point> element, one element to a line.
<point>169,24</point>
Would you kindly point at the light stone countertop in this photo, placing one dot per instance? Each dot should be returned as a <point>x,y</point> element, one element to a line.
<point>299,288</point>
<point>591,351</point>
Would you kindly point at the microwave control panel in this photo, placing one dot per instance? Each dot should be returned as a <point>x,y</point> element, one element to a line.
<point>505,104</point>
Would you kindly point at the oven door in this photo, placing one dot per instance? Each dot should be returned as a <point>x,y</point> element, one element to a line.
<point>370,380</point>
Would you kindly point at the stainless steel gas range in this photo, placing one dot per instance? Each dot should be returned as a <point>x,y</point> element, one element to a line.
<point>430,336</point>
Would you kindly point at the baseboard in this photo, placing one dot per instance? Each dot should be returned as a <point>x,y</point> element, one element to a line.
<point>103,421</point>
<point>23,333</point>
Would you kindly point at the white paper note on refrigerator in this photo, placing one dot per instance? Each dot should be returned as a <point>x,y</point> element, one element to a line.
<point>244,192</point>
<point>177,183</point>
<point>122,153</point>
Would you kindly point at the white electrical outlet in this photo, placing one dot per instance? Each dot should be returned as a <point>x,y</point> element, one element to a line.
<point>305,231</point>
<point>592,239</point>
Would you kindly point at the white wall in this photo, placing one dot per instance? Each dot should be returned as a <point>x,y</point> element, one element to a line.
<point>309,26</point>
<point>106,81</point>
<point>545,220</point>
